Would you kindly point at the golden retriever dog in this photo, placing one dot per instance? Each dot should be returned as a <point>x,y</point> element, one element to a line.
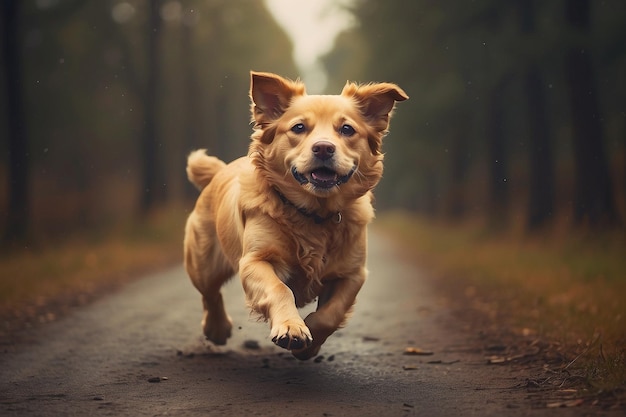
<point>291,217</point>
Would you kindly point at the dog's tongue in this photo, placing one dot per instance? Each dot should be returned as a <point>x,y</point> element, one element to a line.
<point>324,175</point>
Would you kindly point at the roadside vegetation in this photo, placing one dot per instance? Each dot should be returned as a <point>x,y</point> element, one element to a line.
<point>567,290</point>
<point>564,288</point>
<point>45,280</point>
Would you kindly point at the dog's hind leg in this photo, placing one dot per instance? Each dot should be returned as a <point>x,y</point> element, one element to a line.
<point>216,324</point>
<point>209,270</point>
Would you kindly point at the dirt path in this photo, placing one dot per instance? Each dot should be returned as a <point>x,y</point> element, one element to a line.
<point>140,353</point>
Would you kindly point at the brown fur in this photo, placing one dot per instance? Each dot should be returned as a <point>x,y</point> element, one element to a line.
<point>291,236</point>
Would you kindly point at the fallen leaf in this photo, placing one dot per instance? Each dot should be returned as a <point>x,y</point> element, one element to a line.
<point>560,404</point>
<point>416,351</point>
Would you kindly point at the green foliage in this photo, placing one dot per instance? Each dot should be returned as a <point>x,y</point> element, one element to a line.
<point>453,59</point>
<point>85,76</point>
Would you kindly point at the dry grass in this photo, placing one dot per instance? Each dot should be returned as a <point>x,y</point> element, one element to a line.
<point>566,288</point>
<point>37,283</point>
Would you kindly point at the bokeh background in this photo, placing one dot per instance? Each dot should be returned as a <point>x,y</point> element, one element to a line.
<point>517,111</point>
<point>505,172</point>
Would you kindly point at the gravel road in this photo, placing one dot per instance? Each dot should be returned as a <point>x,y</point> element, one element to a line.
<point>139,352</point>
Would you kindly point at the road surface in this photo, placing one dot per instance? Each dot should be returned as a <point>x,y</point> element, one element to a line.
<point>139,352</point>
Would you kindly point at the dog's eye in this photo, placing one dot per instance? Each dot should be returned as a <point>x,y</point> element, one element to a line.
<point>347,130</point>
<point>298,128</point>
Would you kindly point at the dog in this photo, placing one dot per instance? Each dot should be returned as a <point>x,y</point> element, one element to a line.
<point>290,218</point>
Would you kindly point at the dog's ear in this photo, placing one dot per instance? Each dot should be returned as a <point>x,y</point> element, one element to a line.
<point>376,101</point>
<point>271,95</point>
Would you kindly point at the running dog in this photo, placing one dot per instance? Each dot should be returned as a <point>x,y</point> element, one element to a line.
<point>291,217</point>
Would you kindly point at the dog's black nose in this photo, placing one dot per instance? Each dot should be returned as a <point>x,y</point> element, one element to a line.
<point>323,150</point>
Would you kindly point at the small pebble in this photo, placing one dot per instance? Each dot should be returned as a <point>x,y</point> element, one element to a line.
<point>371,339</point>
<point>251,344</point>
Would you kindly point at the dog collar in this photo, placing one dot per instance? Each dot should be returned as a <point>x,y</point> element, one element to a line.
<point>335,217</point>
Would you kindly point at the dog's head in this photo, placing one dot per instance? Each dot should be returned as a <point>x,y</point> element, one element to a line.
<point>323,145</point>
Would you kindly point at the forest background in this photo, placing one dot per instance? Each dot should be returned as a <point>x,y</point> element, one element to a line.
<point>516,125</point>
<point>517,111</point>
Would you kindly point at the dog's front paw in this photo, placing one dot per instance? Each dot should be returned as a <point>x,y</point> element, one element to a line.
<point>291,335</point>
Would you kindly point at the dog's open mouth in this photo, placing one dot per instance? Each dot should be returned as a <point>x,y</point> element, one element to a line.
<point>323,178</point>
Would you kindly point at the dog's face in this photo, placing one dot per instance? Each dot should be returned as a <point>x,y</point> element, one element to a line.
<point>322,145</point>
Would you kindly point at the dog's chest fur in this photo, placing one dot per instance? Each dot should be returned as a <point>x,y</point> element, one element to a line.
<point>315,258</point>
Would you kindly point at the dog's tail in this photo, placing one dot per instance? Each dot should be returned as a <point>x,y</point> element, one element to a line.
<point>201,168</point>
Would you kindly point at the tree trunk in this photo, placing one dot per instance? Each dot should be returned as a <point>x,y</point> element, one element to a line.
<point>497,157</point>
<point>459,165</point>
<point>192,106</point>
<point>18,218</point>
<point>542,178</point>
<point>593,200</point>
<point>541,193</point>
<point>153,190</point>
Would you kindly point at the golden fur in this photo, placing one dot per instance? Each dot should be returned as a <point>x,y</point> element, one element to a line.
<point>291,217</point>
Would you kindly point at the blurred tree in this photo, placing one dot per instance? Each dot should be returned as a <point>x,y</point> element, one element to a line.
<point>541,160</point>
<point>496,84</point>
<point>484,130</point>
<point>222,56</point>
<point>593,201</point>
<point>215,73</point>
<point>460,162</point>
<point>18,180</point>
<point>19,210</point>
<point>86,99</point>
<point>497,154</point>
<point>192,108</point>
<point>153,177</point>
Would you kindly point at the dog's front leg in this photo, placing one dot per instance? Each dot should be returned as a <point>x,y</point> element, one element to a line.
<point>334,305</point>
<point>268,296</point>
